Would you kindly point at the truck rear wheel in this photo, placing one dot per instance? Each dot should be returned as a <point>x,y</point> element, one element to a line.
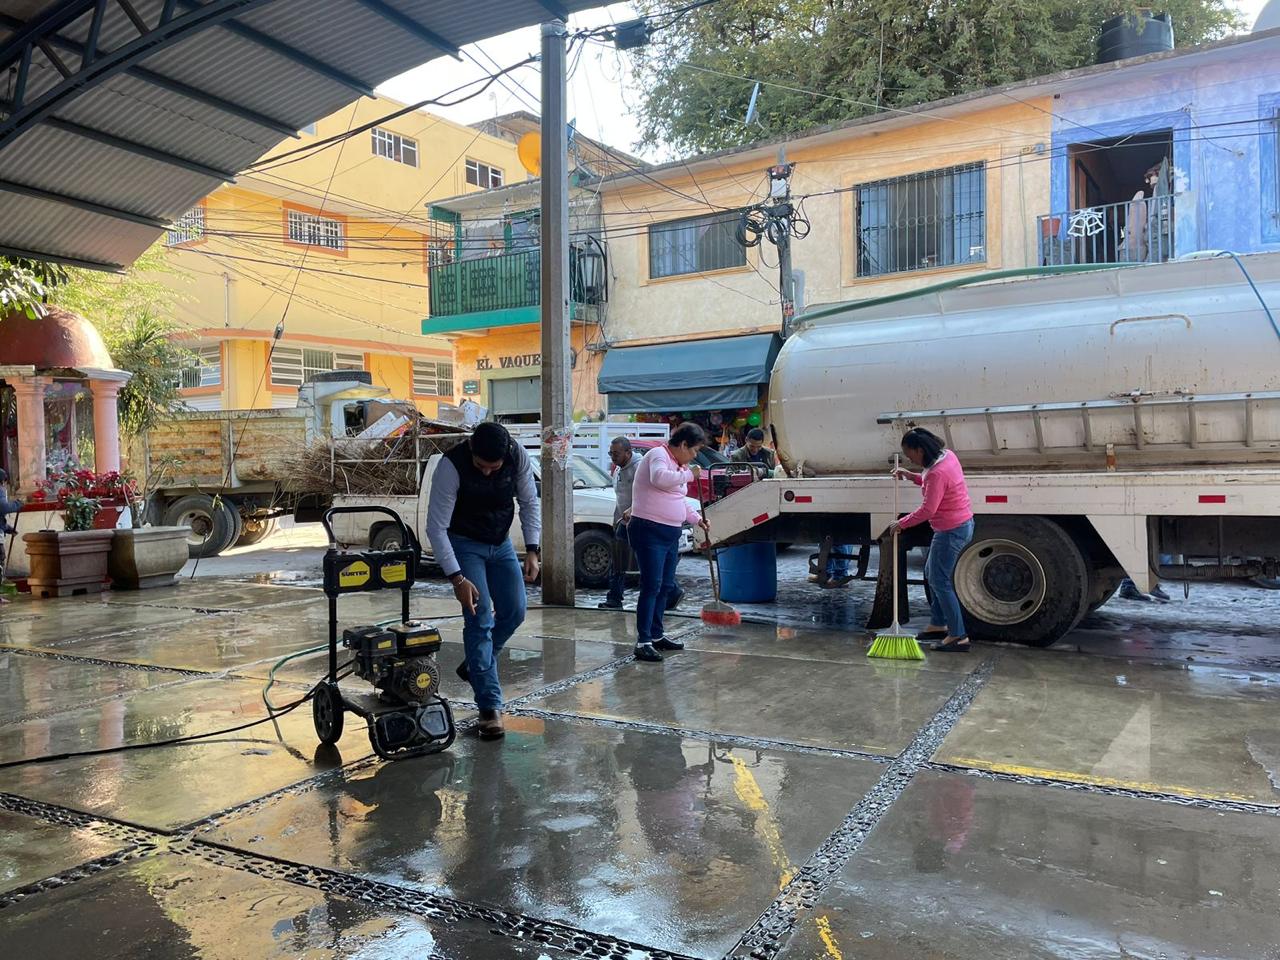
<point>255,531</point>
<point>592,558</point>
<point>1021,580</point>
<point>212,528</point>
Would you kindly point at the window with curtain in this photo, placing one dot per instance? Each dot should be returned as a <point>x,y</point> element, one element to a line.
<point>695,245</point>
<point>316,231</point>
<point>921,221</point>
<point>188,228</point>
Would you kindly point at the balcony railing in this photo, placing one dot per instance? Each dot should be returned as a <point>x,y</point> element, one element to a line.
<point>511,281</point>
<point>1136,231</point>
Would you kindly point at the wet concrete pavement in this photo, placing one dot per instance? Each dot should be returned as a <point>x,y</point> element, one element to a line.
<point>769,792</point>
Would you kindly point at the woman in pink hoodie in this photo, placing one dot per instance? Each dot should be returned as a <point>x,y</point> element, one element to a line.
<point>950,513</point>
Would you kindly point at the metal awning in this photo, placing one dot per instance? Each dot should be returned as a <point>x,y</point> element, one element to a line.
<point>118,115</point>
<point>689,375</point>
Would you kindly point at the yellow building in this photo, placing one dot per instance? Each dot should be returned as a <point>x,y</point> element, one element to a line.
<point>336,243</point>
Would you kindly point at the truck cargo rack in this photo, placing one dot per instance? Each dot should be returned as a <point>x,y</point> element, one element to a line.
<point>1086,410</point>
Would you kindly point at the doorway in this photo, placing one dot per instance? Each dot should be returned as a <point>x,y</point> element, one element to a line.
<point>1121,194</point>
<point>516,399</point>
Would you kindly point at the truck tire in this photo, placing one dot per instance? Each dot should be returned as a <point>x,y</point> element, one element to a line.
<point>254,530</point>
<point>1021,580</point>
<point>386,536</point>
<point>212,528</point>
<point>593,558</point>
<point>1103,585</point>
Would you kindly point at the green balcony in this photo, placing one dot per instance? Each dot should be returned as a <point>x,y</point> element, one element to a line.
<point>505,290</point>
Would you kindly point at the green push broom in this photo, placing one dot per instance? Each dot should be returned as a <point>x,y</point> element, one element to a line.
<point>893,644</point>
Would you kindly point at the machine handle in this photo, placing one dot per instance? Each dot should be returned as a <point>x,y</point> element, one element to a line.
<point>405,534</point>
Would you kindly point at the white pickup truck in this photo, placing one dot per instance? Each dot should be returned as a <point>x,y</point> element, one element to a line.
<point>593,505</point>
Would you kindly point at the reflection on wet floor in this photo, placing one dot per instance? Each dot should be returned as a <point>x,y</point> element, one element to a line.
<point>669,842</point>
<point>171,909</point>
<point>613,808</point>
<point>963,868</point>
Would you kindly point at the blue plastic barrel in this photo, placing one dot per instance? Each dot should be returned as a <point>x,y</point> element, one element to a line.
<point>749,573</point>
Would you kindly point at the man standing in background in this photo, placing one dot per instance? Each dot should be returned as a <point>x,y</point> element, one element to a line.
<point>625,463</point>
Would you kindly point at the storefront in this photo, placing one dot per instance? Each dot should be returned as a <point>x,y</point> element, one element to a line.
<point>502,371</point>
<point>720,384</point>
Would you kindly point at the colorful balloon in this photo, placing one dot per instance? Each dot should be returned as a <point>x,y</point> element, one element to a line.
<point>754,419</point>
<point>740,422</point>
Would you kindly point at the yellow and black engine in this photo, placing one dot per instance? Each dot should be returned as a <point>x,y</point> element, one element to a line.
<point>399,660</point>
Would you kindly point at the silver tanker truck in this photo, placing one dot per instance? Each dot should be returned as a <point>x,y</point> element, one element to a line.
<point>1106,419</point>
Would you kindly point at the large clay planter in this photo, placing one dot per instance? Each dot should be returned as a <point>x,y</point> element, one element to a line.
<point>65,563</point>
<point>147,556</point>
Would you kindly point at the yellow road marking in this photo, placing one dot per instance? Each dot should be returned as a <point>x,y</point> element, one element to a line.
<point>752,797</point>
<point>1074,777</point>
<point>829,938</point>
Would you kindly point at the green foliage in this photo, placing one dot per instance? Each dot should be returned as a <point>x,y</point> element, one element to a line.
<point>25,285</point>
<point>859,57</point>
<point>111,301</point>
<point>79,512</point>
<point>142,345</point>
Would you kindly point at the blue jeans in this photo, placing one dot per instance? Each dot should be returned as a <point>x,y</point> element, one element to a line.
<point>497,574</point>
<point>839,567</point>
<point>621,560</point>
<point>944,551</point>
<point>657,550</point>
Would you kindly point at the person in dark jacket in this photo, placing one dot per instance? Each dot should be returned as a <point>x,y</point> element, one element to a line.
<point>474,491</point>
<point>7,508</point>
<point>755,452</point>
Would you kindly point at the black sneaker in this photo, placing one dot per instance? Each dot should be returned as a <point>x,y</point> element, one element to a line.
<point>646,653</point>
<point>609,605</point>
<point>1130,591</point>
<point>662,643</point>
<point>463,673</point>
<point>674,599</point>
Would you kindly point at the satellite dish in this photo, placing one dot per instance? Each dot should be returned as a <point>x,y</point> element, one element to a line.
<point>529,150</point>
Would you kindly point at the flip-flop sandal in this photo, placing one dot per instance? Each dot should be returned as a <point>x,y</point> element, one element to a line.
<point>955,646</point>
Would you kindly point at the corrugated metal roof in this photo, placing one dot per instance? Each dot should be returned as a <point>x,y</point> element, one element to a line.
<point>218,96</point>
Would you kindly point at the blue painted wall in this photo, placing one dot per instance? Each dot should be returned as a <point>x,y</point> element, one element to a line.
<point>1223,117</point>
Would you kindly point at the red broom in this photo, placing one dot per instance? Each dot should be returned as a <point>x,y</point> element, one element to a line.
<point>717,613</point>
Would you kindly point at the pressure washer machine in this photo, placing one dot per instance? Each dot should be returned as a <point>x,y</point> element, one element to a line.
<point>405,713</point>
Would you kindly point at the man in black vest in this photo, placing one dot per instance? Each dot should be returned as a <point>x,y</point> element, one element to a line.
<point>474,491</point>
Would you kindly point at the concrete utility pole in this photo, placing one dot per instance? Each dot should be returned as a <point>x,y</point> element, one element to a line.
<point>780,213</point>
<point>557,406</point>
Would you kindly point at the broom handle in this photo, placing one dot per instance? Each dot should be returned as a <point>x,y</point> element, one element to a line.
<point>896,464</point>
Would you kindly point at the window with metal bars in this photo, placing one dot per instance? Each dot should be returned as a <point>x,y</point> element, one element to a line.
<point>204,368</point>
<point>294,366</point>
<point>695,245</point>
<point>395,147</point>
<point>316,231</point>
<point>483,175</point>
<point>921,221</point>
<point>433,378</point>
<point>188,228</point>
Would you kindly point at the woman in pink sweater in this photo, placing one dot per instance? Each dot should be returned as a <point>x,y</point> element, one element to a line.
<point>950,513</point>
<point>659,511</point>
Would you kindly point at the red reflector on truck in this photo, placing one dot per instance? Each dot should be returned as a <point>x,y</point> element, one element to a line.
<point>760,519</point>
<point>997,498</point>
<point>800,499</point>
<point>1213,498</point>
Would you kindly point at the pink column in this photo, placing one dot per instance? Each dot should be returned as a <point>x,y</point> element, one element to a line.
<point>106,425</point>
<point>29,393</point>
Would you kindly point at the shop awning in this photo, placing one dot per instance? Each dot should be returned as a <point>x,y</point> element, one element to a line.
<point>690,375</point>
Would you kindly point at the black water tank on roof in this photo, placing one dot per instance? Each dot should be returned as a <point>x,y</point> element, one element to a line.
<point>1128,36</point>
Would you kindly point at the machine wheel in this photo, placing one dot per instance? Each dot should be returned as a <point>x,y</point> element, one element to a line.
<point>326,712</point>
<point>1022,580</point>
<point>255,531</point>
<point>592,558</point>
<point>387,536</point>
<point>212,528</point>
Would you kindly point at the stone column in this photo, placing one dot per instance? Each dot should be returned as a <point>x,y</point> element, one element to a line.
<point>106,425</point>
<point>29,393</point>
